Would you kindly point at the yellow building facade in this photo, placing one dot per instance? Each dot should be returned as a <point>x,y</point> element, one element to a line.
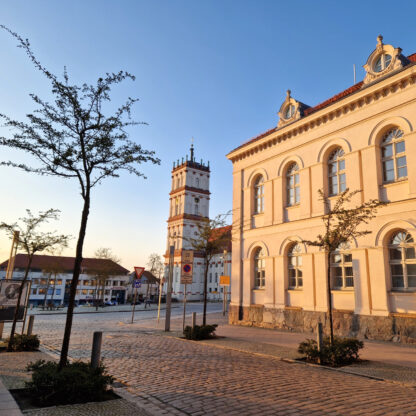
<point>362,139</point>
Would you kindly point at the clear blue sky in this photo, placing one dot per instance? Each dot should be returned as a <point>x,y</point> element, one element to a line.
<point>214,70</point>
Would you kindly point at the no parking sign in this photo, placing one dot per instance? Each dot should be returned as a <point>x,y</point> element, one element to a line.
<point>187,267</point>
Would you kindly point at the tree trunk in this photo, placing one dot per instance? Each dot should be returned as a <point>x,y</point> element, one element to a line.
<point>46,293</point>
<point>75,277</point>
<point>16,312</point>
<point>204,316</point>
<point>96,295</point>
<point>54,288</point>
<point>331,324</point>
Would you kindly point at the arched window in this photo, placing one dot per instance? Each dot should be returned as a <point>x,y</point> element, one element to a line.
<point>259,269</point>
<point>197,182</point>
<point>402,261</point>
<point>393,156</point>
<point>382,62</point>
<point>336,172</point>
<point>292,185</point>
<point>259,195</point>
<point>295,267</point>
<point>341,268</point>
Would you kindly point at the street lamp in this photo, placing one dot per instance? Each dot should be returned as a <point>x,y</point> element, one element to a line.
<point>170,281</point>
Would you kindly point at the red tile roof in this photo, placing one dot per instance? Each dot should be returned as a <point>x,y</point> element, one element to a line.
<point>66,263</point>
<point>310,110</point>
<point>224,230</point>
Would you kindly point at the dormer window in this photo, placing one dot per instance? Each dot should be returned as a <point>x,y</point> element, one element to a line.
<point>382,62</point>
<point>289,111</point>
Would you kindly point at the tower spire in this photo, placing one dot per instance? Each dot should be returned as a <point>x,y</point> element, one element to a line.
<point>192,149</point>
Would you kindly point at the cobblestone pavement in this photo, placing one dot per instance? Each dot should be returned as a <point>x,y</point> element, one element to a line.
<point>175,376</point>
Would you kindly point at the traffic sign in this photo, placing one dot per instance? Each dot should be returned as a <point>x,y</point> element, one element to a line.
<point>137,284</point>
<point>224,280</point>
<point>187,267</point>
<point>139,271</point>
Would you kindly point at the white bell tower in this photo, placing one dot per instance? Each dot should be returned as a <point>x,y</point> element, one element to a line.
<point>188,204</point>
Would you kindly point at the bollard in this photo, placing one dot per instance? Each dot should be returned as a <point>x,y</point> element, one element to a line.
<point>320,340</point>
<point>193,319</point>
<point>96,349</point>
<point>1,329</point>
<point>320,336</point>
<point>30,325</point>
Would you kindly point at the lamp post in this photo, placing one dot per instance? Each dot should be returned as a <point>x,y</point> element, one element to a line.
<point>169,289</point>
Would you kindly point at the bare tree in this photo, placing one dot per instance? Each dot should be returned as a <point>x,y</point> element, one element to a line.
<point>74,138</point>
<point>212,236</point>
<point>52,271</point>
<point>341,226</point>
<point>32,241</point>
<point>103,271</point>
<point>156,267</point>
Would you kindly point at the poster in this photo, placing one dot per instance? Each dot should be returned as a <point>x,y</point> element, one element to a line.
<point>9,292</point>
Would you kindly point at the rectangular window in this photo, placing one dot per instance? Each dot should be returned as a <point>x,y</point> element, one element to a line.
<point>58,292</point>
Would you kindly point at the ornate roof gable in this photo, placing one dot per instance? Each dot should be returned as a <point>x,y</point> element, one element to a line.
<point>290,110</point>
<point>383,60</point>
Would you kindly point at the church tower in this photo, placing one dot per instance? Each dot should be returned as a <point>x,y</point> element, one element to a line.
<point>188,204</point>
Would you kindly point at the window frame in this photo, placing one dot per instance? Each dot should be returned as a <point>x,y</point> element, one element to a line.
<point>295,252</point>
<point>258,194</point>
<point>343,250</point>
<point>259,260</point>
<point>404,245</point>
<point>336,157</point>
<point>292,184</point>
<point>397,137</point>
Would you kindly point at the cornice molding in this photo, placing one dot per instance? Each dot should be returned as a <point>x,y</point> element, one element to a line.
<point>189,188</point>
<point>353,102</point>
<point>186,217</point>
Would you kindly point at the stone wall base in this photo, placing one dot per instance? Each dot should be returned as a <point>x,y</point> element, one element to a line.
<point>396,327</point>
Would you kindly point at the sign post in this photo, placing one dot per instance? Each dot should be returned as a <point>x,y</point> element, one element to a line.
<point>136,284</point>
<point>161,282</point>
<point>224,281</point>
<point>187,264</point>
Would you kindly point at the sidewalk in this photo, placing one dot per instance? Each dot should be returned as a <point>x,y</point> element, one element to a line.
<point>386,361</point>
<point>91,309</point>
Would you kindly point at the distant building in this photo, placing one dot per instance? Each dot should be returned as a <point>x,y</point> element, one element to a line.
<point>189,204</point>
<point>362,139</point>
<point>52,276</point>
<point>149,286</point>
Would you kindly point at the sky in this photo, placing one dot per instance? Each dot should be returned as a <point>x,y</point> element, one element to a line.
<point>214,70</point>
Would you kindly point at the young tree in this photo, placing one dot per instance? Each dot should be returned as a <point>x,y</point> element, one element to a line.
<point>73,137</point>
<point>51,271</point>
<point>32,241</point>
<point>341,226</point>
<point>104,271</point>
<point>156,267</point>
<point>211,238</point>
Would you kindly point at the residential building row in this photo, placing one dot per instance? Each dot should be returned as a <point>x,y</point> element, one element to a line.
<point>51,278</point>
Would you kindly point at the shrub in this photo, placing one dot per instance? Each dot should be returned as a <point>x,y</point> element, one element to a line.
<point>200,332</point>
<point>343,351</point>
<point>25,342</point>
<point>77,382</point>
